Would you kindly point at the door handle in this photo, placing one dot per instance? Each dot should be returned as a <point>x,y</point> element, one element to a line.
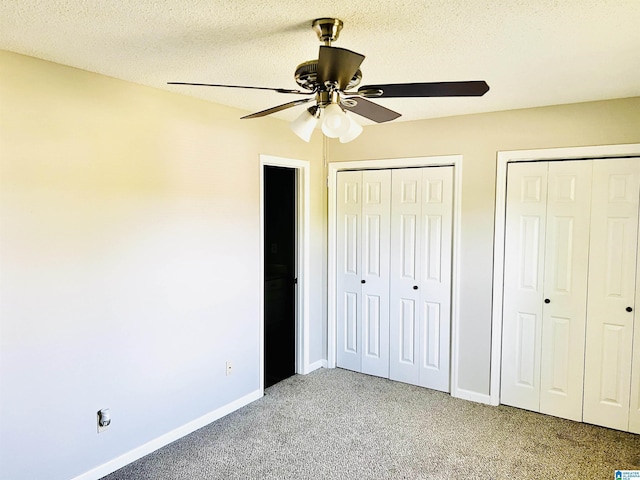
<point>629,309</point>
<point>363,281</point>
<point>415,287</point>
<point>546,300</point>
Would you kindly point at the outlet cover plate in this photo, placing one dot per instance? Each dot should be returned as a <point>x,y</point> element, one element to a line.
<point>101,428</point>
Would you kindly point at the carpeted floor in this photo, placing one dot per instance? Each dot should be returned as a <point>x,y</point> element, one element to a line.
<point>336,424</point>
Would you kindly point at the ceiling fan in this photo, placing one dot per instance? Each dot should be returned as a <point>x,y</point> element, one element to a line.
<point>330,81</point>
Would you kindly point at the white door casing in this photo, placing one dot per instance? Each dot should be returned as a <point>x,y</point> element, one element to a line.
<point>303,237</point>
<point>612,288</point>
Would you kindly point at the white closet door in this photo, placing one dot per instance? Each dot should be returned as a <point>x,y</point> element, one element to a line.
<point>406,218</point>
<point>525,227</point>
<point>435,275</point>
<point>612,275</point>
<point>348,268</point>
<point>634,409</point>
<point>376,215</point>
<point>420,291</point>
<point>565,288</point>
<point>363,236</point>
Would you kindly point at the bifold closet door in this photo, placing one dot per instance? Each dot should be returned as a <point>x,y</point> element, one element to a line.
<point>525,229</point>
<point>564,310</point>
<point>545,286</point>
<point>363,222</point>
<point>420,293</point>
<point>612,295</point>
<point>634,409</point>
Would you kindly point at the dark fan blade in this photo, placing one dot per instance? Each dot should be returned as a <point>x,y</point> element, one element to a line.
<point>431,89</point>
<point>372,111</point>
<point>337,65</point>
<point>279,90</point>
<point>271,110</point>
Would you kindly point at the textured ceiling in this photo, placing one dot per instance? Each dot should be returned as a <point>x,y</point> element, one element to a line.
<point>531,52</point>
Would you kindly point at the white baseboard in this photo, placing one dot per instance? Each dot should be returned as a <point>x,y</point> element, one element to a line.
<point>472,396</point>
<point>314,366</point>
<point>139,452</point>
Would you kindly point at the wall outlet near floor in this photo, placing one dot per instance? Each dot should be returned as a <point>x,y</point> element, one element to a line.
<point>229,368</point>
<point>103,419</point>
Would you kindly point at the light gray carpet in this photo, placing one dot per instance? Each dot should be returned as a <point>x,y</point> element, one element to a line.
<point>336,424</point>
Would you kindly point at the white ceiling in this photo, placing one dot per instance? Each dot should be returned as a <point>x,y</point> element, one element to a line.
<point>530,52</point>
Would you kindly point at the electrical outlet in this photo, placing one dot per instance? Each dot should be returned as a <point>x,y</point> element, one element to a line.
<point>229,368</point>
<point>103,419</point>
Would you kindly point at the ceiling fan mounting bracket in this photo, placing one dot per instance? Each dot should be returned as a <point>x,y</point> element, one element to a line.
<point>327,29</point>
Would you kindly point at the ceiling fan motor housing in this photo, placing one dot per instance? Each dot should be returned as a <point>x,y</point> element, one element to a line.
<point>306,76</point>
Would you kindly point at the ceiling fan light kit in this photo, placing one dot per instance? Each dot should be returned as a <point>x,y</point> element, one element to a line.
<point>334,121</point>
<point>335,124</point>
<point>330,81</point>
<point>306,122</point>
<point>355,129</point>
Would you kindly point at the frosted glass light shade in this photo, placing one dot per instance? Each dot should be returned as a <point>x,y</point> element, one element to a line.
<point>355,129</point>
<point>334,122</point>
<point>303,125</point>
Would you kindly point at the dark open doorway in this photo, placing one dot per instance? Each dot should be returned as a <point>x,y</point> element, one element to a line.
<point>279,273</point>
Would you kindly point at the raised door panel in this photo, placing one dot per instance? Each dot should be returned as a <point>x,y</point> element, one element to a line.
<point>612,288</point>
<point>349,272</point>
<point>407,332</point>
<point>404,363</point>
<point>565,287</point>
<point>525,230</point>
<point>435,277</point>
<point>376,217</point>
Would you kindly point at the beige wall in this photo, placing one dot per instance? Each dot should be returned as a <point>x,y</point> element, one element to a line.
<point>129,250</point>
<point>478,138</point>
<point>129,254</point>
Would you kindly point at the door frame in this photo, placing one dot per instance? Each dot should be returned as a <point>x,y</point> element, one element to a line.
<point>303,195</point>
<point>443,160</point>
<point>503,159</point>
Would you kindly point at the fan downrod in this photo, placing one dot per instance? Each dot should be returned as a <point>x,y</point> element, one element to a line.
<point>327,29</point>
